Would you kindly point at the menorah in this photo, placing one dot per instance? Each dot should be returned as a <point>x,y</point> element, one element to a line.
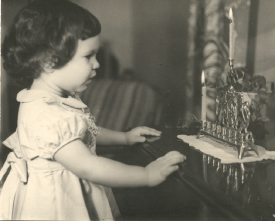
<point>232,119</point>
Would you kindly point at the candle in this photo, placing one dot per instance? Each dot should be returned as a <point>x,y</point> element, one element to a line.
<point>203,98</point>
<point>231,35</point>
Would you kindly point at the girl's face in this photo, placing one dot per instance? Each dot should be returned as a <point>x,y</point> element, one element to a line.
<point>77,73</point>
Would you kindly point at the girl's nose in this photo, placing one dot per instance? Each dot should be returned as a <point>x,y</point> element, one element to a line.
<point>96,65</point>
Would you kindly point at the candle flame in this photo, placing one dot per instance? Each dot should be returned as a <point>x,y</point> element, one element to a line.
<point>202,78</point>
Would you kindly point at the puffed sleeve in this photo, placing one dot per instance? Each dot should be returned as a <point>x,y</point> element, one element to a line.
<point>53,129</point>
<point>13,143</point>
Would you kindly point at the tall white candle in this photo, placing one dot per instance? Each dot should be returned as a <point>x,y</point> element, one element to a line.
<point>231,35</point>
<point>203,98</point>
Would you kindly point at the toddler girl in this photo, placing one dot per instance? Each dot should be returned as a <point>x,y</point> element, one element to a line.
<point>55,173</point>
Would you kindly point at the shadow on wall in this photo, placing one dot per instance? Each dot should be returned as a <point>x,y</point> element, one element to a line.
<point>9,90</point>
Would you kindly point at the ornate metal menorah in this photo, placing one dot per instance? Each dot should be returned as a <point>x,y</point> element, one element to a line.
<point>232,120</point>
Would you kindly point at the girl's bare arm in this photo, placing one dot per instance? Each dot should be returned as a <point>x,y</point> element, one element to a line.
<point>77,158</point>
<point>136,135</point>
<point>110,137</point>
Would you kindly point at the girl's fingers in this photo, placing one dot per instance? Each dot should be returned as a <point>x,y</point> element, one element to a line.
<point>172,161</point>
<point>170,164</point>
<point>173,153</point>
<point>149,128</point>
<point>172,158</point>
<point>170,170</point>
<point>149,131</point>
<point>139,139</point>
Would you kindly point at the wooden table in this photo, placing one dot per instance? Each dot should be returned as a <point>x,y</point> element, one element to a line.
<point>202,189</point>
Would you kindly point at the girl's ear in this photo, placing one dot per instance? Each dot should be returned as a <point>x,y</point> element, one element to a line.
<point>48,67</point>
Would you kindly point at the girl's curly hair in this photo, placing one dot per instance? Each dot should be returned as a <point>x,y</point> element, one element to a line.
<point>45,32</point>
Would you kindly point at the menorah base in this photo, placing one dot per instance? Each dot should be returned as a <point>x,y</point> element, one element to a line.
<point>241,146</point>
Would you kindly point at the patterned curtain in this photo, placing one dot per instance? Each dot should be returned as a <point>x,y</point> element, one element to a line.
<point>215,50</point>
<point>195,58</point>
<point>207,51</point>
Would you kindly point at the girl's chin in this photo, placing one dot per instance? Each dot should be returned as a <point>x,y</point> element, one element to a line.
<point>83,88</point>
<point>88,82</point>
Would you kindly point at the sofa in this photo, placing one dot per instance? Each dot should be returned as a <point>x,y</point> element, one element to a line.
<point>121,104</point>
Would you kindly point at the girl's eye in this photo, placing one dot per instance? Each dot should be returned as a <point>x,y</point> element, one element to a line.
<point>89,56</point>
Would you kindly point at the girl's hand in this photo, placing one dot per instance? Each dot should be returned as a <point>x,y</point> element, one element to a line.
<point>137,135</point>
<point>161,168</point>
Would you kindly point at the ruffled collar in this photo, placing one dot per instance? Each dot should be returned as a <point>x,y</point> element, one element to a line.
<point>25,96</point>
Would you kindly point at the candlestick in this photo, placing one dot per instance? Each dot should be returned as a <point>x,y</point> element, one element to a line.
<point>231,35</point>
<point>203,98</point>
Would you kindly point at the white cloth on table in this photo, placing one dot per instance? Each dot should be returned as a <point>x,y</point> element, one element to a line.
<point>227,154</point>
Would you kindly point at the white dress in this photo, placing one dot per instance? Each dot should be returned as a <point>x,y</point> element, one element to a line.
<point>38,187</point>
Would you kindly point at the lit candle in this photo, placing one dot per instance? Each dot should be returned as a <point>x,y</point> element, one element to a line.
<point>203,98</point>
<point>231,35</point>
